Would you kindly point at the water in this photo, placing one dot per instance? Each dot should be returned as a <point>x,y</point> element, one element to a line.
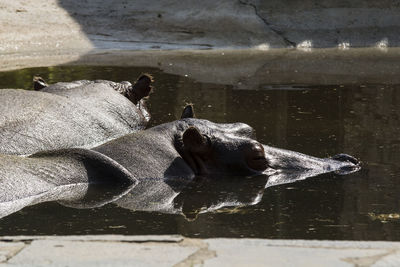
<point>360,120</point>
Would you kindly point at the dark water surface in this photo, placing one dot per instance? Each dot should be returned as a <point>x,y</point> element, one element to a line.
<point>360,120</point>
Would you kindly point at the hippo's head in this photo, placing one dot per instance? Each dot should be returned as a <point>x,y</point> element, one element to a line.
<point>215,148</point>
<point>211,148</point>
<point>231,149</point>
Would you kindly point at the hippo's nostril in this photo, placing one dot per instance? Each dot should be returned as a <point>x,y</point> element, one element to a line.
<point>345,157</point>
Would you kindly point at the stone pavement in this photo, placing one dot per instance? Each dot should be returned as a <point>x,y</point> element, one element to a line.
<point>114,250</point>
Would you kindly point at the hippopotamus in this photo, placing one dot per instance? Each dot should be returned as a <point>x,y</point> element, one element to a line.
<point>75,114</point>
<point>162,162</point>
<point>167,158</point>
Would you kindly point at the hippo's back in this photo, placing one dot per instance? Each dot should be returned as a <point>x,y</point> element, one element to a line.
<point>34,121</point>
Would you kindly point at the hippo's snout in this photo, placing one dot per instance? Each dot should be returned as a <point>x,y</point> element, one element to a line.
<point>348,164</point>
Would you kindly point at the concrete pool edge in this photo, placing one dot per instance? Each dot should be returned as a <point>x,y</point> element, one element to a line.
<point>65,24</point>
<point>241,68</point>
<point>175,250</point>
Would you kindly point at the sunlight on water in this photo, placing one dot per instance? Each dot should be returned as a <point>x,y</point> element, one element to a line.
<point>344,46</point>
<point>262,47</point>
<point>305,46</point>
<point>383,44</point>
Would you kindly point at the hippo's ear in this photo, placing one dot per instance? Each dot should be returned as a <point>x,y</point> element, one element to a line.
<point>39,83</point>
<point>195,142</point>
<point>142,86</point>
<point>188,112</point>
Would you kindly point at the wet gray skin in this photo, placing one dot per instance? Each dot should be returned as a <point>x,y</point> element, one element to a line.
<point>169,158</point>
<point>136,92</point>
<point>76,177</point>
<point>66,115</point>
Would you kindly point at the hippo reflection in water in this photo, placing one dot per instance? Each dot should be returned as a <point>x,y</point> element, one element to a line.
<point>75,114</point>
<point>160,166</point>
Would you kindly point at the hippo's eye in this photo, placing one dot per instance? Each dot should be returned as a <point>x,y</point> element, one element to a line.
<point>255,157</point>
